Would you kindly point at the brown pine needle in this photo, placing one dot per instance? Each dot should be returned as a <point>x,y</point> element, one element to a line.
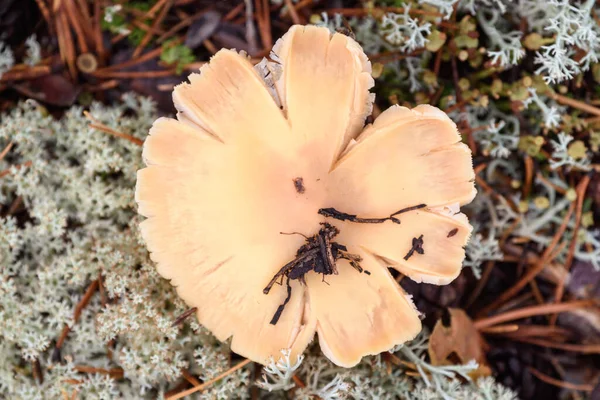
<point>18,166</point>
<point>528,176</point>
<point>183,316</point>
<point>6,150</point>
<point>525,312</point>
<point>101,127</point>
<point>562,384</point>
<point>74,18</point>
<point>485,275</point>
<point>501,329</point>
<point>546,258</point>
<point>135,61</point>
<point>581,189</point>
<point>134,74</point>
<point>354,12</point>
<point>576,348</point>
<point>98,28</point>
<point>234,12</point>
<point>18,74</point>
<point>580,105</point>
<point>542,331</point>
<point>77,313</point>
<point>298,381</point>
<point>190,378</point>
<point>166,5</point>
<point>293,13</point>
<point>209,382</point>
<point>116,373</point>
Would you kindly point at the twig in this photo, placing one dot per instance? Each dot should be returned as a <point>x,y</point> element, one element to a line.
<point>209,382</point>
<point>531,311</point>
<point>562,384</point>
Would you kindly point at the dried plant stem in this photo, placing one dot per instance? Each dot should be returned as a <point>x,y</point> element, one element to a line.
<point>525,312</point>
<point>562,384</point>
<point>209,382</point>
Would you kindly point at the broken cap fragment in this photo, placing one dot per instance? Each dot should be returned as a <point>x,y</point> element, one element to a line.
<point>223,182</point>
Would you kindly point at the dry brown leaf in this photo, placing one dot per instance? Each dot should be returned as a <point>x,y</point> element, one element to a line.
<point>458,340</point>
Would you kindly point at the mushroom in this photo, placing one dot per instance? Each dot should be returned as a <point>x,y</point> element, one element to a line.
<point>244,183</point>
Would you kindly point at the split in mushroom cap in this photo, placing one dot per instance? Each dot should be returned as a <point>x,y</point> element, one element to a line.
<point>221,184</point>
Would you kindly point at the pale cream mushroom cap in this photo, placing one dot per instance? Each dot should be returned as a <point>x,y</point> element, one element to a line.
<point>219,189</point>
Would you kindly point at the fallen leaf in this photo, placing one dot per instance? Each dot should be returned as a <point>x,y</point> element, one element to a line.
<point>460,339</point>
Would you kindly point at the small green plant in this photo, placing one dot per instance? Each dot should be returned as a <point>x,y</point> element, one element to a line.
<point>177,55</point>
